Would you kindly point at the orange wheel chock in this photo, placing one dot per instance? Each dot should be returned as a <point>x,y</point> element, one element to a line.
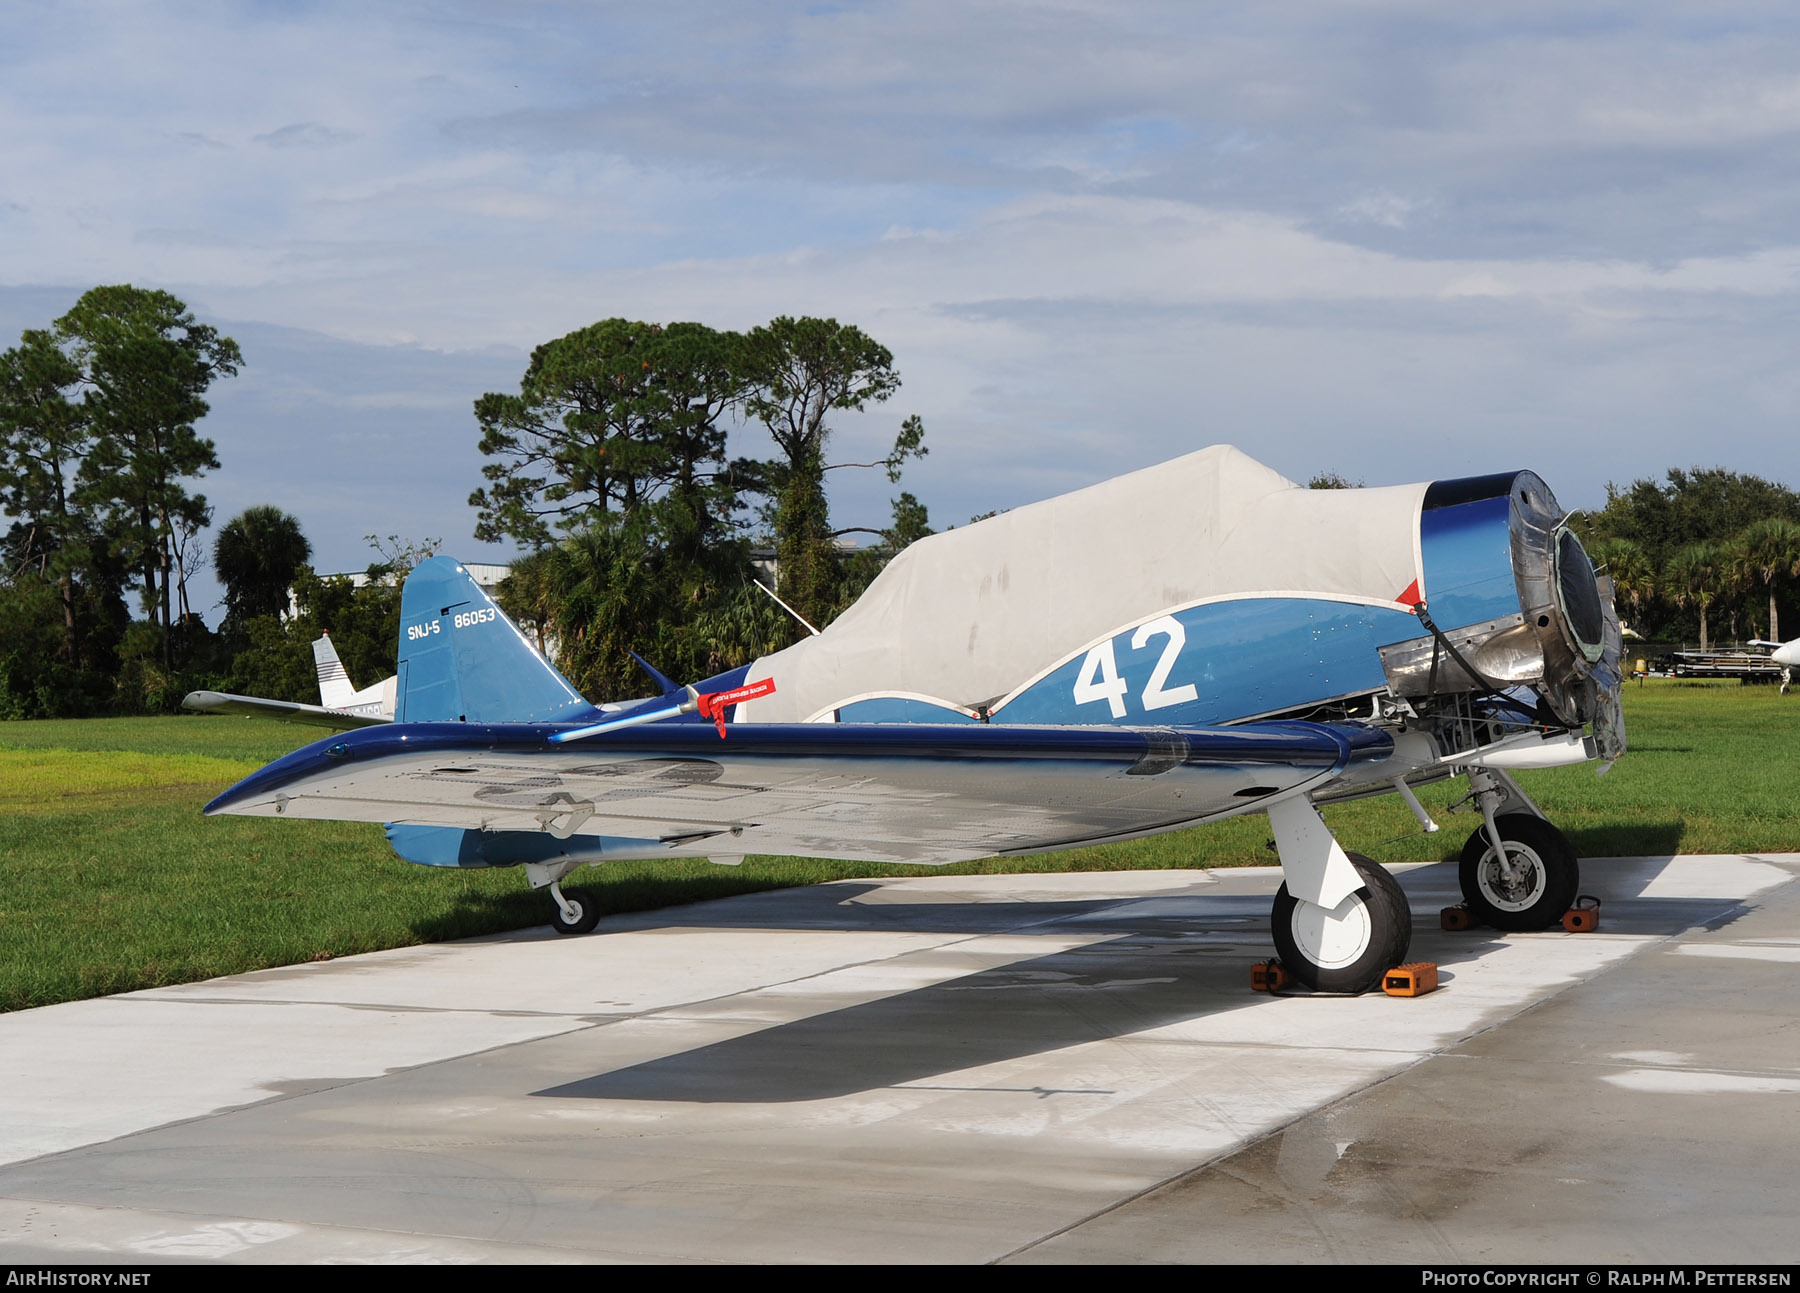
<point>1414,979</point>
<point>1584,916</point>
<point>1268,976</point>
<point>1455,919</point>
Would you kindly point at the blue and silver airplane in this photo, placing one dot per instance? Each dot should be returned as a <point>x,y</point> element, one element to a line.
<point>1197,641</point>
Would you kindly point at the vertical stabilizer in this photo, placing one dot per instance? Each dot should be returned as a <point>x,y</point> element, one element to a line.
<point>336,691</point>
<point>462,660</point>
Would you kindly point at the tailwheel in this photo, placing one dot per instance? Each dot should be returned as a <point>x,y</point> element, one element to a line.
<point>1536,883</point>
<point>1347,948</point>
<point>574,913</point>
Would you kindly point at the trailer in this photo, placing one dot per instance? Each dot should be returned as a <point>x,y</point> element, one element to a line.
<point>1746,666</point>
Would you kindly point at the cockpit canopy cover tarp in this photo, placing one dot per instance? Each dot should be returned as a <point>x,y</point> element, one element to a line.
<point>969,615</point>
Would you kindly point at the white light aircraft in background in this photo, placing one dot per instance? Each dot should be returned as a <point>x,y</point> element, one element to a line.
<point>341,705</point>
<point>337,692</point>
<point>1785,654</point>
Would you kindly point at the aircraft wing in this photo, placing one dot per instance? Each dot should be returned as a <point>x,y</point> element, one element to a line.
<point>881,792</point>
<point>221,702</point>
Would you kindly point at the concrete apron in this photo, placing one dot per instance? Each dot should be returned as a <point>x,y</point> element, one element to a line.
<point>1040,1067</point>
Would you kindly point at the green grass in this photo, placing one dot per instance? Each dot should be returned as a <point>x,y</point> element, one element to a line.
<point>111,880</point>
<point>247,740</point>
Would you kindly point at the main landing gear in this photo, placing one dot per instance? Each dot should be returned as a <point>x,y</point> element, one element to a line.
<point>1531,885</point>
<point>1518,871</point>
<point>1349,947</point>
<point>1340,921</point>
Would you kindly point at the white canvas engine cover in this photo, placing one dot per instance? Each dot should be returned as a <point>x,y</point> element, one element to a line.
<point>969,615</point>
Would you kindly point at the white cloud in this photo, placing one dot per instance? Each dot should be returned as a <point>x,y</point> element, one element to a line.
<point>1388,209</point>
<point>1388,238</point>
<point>304,134</point>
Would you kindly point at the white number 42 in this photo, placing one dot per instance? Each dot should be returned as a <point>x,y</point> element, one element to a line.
<point>1099,676</point>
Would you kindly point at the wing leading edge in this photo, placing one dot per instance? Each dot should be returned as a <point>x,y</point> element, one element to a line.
<point>496,794</point>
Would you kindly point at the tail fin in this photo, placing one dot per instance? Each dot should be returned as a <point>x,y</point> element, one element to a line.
<point>462,660</point>
<point>335,688</point>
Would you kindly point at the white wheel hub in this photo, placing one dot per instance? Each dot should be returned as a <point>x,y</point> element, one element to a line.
<point>571,911</point>
<point>1332,939</point>
<point>1518,885</point>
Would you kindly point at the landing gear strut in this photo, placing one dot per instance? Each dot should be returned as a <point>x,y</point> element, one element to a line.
<point>1349,947</point>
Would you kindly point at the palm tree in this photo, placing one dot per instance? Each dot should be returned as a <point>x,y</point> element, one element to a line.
<point>527,595</point>
<point>1769,553</point>
<point>738,628</point>
<point>1632,573</point>
<point>602,585</point>
<point>1694,576</point>
<point>256,556</point>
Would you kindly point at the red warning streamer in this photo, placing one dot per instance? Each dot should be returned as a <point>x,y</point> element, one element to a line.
<point>713,704</point>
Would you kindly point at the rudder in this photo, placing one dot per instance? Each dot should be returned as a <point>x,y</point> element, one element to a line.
<point>462,660</point>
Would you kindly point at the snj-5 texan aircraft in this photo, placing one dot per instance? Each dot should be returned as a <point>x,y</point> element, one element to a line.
<point>1190,642</point>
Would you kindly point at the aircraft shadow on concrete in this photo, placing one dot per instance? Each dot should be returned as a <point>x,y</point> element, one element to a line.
<point>658,902</point>
<point>1154,970</point>
<point>1149,976</point>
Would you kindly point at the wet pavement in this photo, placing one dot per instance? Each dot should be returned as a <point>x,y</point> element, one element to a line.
<point>1030,1068</point>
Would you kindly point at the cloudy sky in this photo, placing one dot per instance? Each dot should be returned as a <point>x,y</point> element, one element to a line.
<point>1397,241</point>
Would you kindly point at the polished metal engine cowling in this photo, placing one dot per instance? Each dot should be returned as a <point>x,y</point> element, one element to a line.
<point>1564,642</point>
<point>1568,608</point>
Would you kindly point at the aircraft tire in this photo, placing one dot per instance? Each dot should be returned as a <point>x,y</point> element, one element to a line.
<point>1348,948</point>
<point>589,913</point>
<point>1540,896</point>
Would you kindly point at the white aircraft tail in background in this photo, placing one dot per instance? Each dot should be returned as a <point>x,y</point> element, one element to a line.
<point>336,691</point>
<point>343,705</point>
